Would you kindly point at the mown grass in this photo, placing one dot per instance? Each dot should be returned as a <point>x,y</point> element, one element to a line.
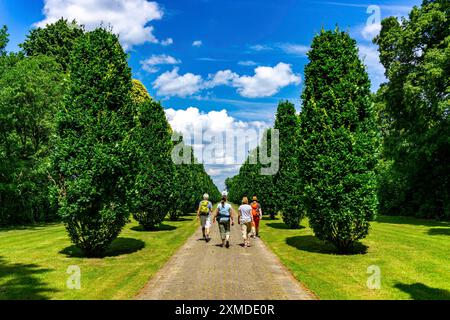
<point>34,261</point>
<point>413,256</point>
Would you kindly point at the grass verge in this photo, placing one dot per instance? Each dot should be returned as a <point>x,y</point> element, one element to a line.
<point>34,261</point>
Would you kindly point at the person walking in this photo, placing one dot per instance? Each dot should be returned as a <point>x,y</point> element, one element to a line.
<point>224,217</point>
<point>204,214</point>
<point>257,216</point>
<point>245,220</point>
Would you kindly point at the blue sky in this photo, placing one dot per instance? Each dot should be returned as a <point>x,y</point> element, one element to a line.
<point>204,54</point>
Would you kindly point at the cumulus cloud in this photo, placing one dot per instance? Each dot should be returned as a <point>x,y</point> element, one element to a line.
<point>150,64</point>
<point>214,127</point>
<point>370,31</point>
<point>371,58</point>
<point>167,42</point>
<point>170,83</point>
<point>197,43</point>
<point>266,81</point>
<point>128,18</point>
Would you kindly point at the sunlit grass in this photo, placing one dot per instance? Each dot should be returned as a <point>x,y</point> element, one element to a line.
<point>412,254</point>
<point>34,261</point>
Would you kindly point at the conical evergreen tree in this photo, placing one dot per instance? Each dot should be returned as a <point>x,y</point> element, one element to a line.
<point>339,141</point>
<point>89,158</point>
<point>288,185</point>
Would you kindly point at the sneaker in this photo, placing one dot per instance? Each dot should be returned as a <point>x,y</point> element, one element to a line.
<point>208,240</point>
<point>227,244</point>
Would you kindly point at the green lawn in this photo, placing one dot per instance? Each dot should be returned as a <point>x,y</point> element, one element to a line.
<point>34,261</point>
<point>412,254</point>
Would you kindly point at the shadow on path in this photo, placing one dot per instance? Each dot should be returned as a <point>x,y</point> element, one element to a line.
<point>312,244</point>
<point>22,282</point>
<point>420,291</point>
<point>119,247</point>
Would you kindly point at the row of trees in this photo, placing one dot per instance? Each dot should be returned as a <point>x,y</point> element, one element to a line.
<point>350,154</point>
<point>83,142</point>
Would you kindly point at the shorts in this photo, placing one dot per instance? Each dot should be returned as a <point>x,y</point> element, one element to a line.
<point>225,228</point>
<point>203,220</point>
<point>246,228</point>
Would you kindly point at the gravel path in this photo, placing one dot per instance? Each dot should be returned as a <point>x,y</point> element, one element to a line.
<point>205,271</point>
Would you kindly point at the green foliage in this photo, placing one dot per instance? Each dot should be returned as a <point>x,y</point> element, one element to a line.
<point>139,93</point>
<point>55,40</point>
<point>250,182</point>
<point>191,182</point>
<point>339,147</point>
<point>414,106</point>
<point>31,91</point>
<point>152,168</point>
<point>288,184</point>
<point>4,39</point>
<point>90,158</point>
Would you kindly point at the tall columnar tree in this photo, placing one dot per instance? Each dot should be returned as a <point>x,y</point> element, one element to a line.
<point>339,141</point>
<point>31,91</point>
<point>91,158</point>
<point>154,171</point>
<point>55,40</point>
<point>288,185</point>
<point>415,105</point>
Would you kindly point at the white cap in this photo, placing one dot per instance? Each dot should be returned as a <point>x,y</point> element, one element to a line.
<point>206,196</point>
<point>224,194</point>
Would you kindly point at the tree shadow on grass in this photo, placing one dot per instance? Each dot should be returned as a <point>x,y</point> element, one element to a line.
<point>312,244</point>
<point>23,282</point>
<point>412,221</point>
<point>281,225</point>
<point>439,232</point>
<point>120,246</point>
<point>420,291</point>
<point>161,227</point>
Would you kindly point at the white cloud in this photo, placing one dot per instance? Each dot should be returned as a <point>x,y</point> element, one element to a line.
<point>267,81</point>
<point>247,63</point>
<point>170,83</point>
<point>167,42</point>
<point>197,43</point>
<point>150,64</point>
<point>295,49</point>
<point>260,47</point>
<point>128,18</point>
<point>226,161</point>
<point>370,31</point>
<point>371,58</point>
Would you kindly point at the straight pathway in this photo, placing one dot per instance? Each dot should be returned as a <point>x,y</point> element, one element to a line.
<point>205,271</point>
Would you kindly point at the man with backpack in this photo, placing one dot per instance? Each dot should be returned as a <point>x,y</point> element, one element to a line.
<point>204,215</point>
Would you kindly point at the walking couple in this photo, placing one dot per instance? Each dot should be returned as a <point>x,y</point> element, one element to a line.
<point>248,218</point>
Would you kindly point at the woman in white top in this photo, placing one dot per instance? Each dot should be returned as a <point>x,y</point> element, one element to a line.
<point>245,219</point>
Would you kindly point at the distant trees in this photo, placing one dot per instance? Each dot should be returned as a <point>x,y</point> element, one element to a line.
<point>31,91</point>
<point>414,106</point>
<point>90,158</point>
<point>339,144</point>
<point>287,182</point>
